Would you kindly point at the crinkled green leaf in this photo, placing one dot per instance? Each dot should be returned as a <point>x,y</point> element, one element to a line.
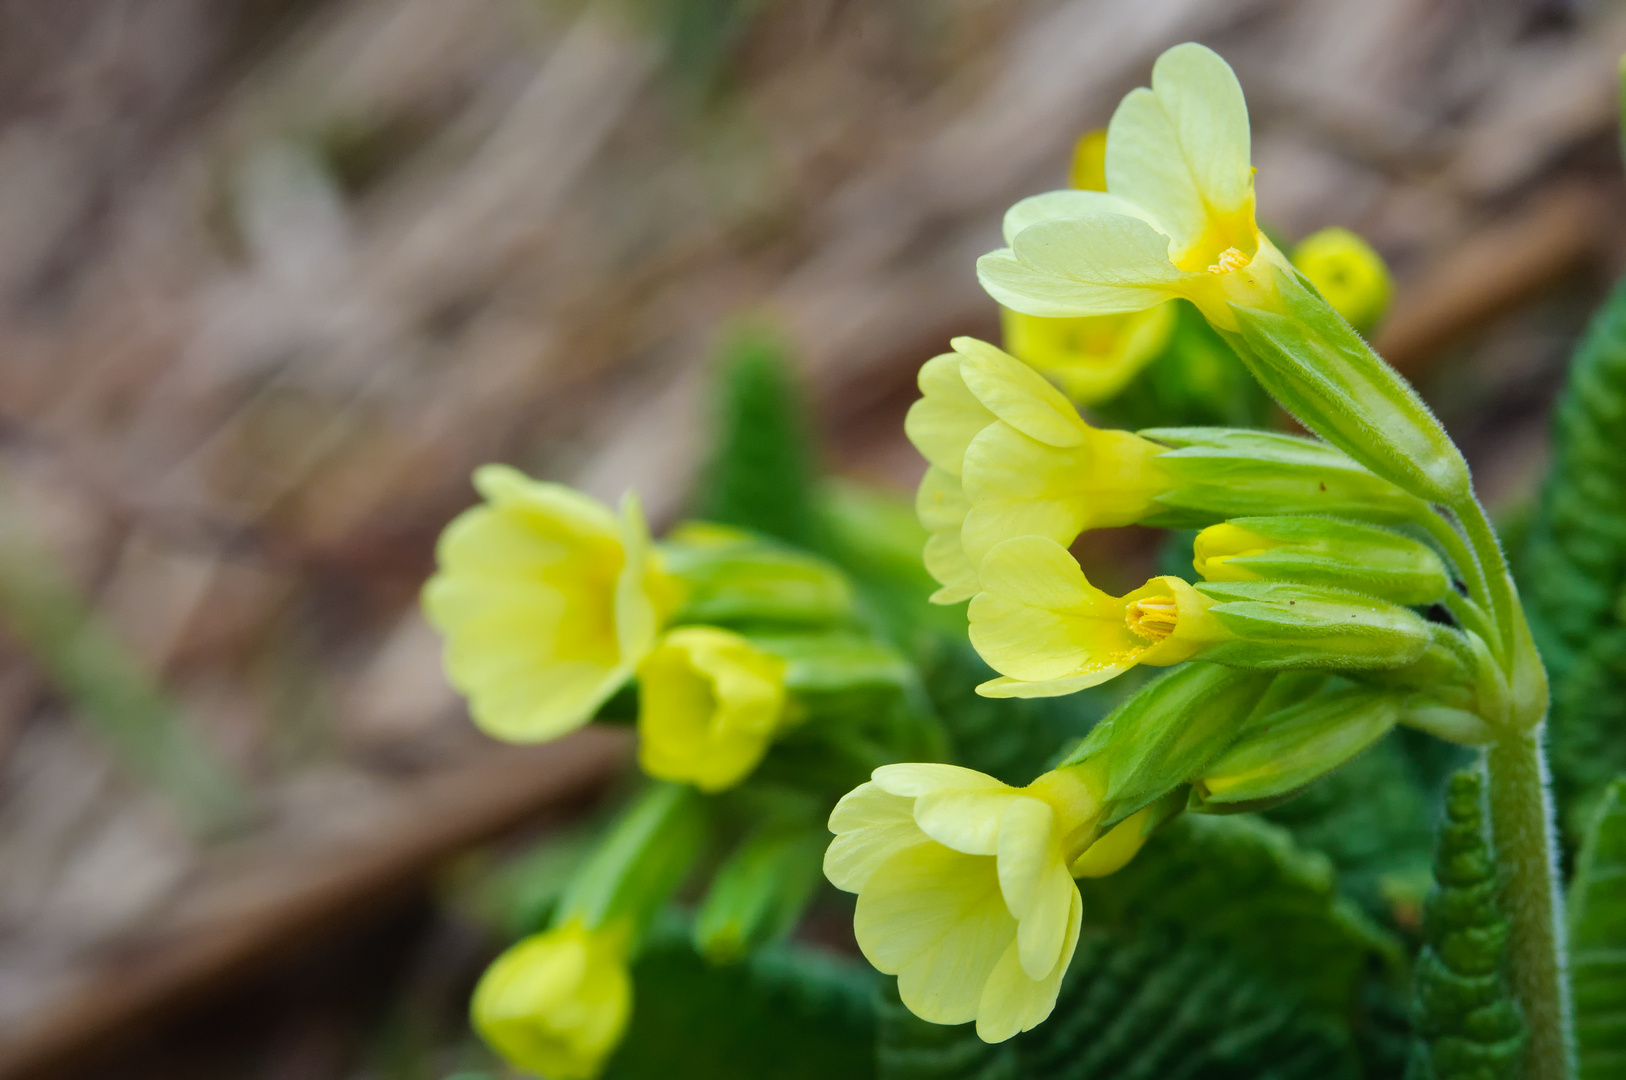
<point>1598,941</point>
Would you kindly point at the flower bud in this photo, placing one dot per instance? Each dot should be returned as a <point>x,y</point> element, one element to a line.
<point>1287,748</point>
<point>1089,168</point>
<point>1347,273</point>
<point>557,1003</point>
<point>730,577</point>
<point>709,705</point>
<point>1166,732</point>
<point>1280,625</point>
<point>1322,551</point>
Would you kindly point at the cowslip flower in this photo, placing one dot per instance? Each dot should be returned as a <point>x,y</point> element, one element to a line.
<point>1010,456</point>
<point>1040,623</point>
<point>964,888</point>
<point>710,704</point>
<point>547,600</point>
<point>1176,219</point>
<point>557,1003</point>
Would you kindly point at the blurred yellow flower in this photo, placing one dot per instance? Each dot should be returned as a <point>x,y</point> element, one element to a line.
<point>1047,631</point>
<point>1010,456</point>
<point>547,600</point>
<point>1089,169</point>
<point>709,705</point>
<point>556,1003</point>
<point>1093,357</point>
<point>1176,219</point>
<point>1347,273</point>
<point>964,891</point>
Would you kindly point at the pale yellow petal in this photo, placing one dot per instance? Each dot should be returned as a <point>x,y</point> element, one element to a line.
<point>940,502</point>
<point>853,857</point>
<point>1181,149</point>
<point>1068,203</point>
<point>946,561</point>
<point>914,779</point>
<point>947,415</point>
<point>1039,618</point>
<point>556,505</point>
<point>868,804</point>
<point>966,820</point>
<point>1013,1003</point>
<point>1018,486</point>
<point>1025,853</point>
<point>935,918</point>
<point>1005,687</point>
<point>1018,395</point>
<point>1020,287</point>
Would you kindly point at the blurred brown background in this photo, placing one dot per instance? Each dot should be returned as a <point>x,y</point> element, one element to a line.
<point>276,274</point>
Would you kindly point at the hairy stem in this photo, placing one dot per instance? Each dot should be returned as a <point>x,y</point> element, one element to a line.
<point>1522,827</point>
<point>1488,549</point>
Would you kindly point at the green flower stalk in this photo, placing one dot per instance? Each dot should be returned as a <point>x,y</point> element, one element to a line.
<point>1315,549</point>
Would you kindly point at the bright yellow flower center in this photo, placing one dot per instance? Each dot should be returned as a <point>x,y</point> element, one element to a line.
<point>1153,617</point>
<point>1230,259</point>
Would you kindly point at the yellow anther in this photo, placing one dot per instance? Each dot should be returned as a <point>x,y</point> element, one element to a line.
<point>1230,259</point>
<point>1154,617</point>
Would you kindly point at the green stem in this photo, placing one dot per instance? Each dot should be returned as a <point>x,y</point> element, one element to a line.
<point>1488,549</point>
<point>1522,828</point>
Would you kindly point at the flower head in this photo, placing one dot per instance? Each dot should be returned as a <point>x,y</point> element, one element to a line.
<point>1047,631</point>
<point>1176,219</point>
<point>556,1003</point>
<point>1010,456</point>
<point>710,704</point>
<point>547,601</point>
<point>964,888</point>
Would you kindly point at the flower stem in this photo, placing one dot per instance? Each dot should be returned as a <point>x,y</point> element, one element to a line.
<point>1522,828</point>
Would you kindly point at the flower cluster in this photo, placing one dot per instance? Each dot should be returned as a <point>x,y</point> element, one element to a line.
<point>1341,587</point>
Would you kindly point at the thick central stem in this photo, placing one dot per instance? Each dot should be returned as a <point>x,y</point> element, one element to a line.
<point>1522,828</point>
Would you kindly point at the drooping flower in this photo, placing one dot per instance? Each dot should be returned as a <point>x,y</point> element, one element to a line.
<point>1176,219</point>
<point>1010,456</point>
<point>556,1003</point>
<point>964,888</point>
<point>547,600</point>
<point>1041,624</point>
<point>710,704</point>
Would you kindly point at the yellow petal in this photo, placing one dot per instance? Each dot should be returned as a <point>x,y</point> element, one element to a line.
<point>1039,618</point>
<point>914,779</point>
<point>1015,284</point>
<point>1181,150</point>
<point>1068,203</point>
<point>1094,357</point>
<point>1019,396</point>
<point>1012,1002</point>
<point>935,918</point>
<point>946,561</point>
<point>1018,486</point>
<point>947,415</point>
<point>966,820</point>
<point>1113,851</point>
<point>871,826</point>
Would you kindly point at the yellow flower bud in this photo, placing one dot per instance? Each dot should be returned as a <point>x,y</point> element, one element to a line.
<point>963,888</point>
<point>547,601</point>
<point>710,704</point>
<point>1347,273</point>
<point>556,1003</point>
<point>1089,171</point>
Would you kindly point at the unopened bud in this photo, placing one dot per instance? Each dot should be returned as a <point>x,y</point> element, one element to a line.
<point>1322,551</point>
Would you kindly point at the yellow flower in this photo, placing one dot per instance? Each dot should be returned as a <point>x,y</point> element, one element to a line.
<point>964,891</point>
<point>1010,456</point>
<point>1048,631</point>
<point>1094,357</point>
<point>709,704</point>
<point>1347,273</point>
<point>1176,220</point>
<point>547,601</point>
<point>556,1003</point>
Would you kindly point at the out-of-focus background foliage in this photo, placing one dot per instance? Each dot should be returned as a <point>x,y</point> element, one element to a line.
<point>276,274</point>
